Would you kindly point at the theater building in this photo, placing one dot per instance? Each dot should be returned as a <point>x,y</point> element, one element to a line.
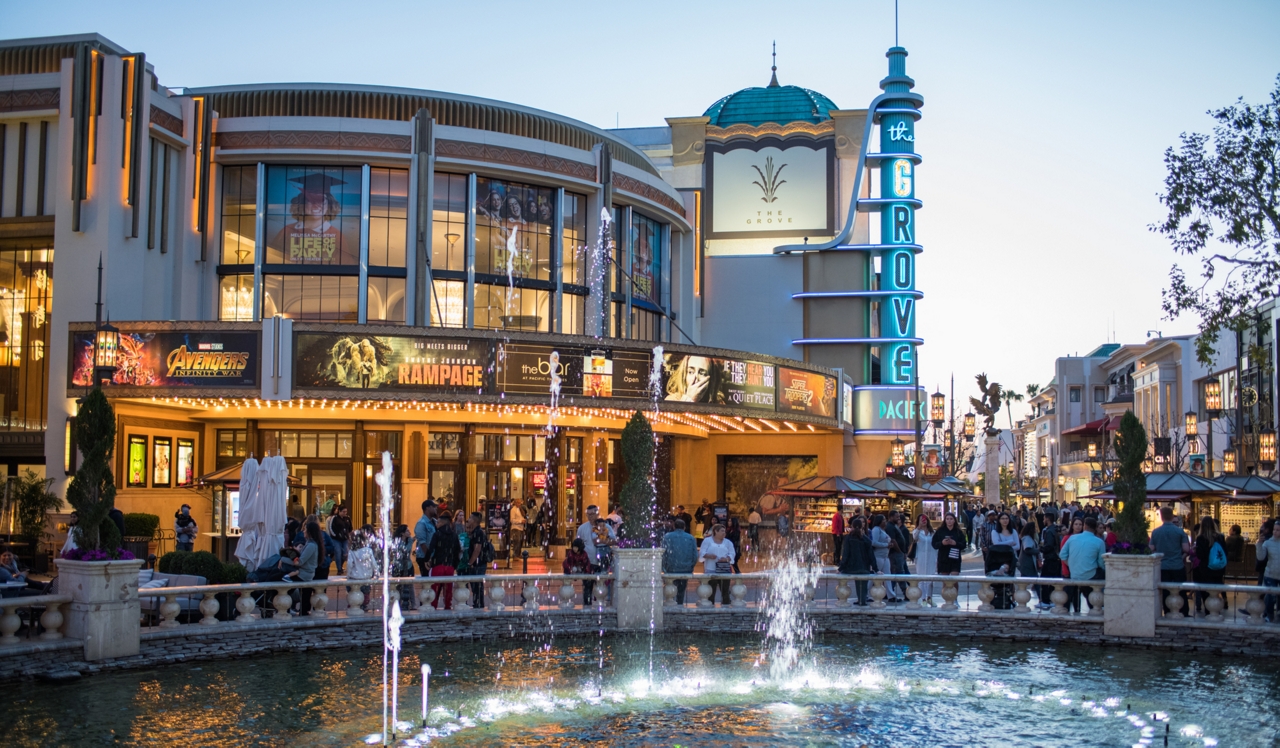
<point>331,272</point>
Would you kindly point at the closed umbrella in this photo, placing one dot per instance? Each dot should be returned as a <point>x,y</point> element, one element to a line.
<point>274,494</point>
<point>251,516</point>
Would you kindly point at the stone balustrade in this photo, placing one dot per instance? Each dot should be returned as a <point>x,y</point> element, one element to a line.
<point>51,619</point>
<point>354,598</point>
<point>1192,604</point>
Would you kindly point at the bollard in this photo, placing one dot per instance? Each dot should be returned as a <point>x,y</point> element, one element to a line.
<point>524,557</point>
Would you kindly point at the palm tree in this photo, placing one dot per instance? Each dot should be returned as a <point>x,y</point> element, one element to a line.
<point>1010,396</point>
<point>1032,390</point>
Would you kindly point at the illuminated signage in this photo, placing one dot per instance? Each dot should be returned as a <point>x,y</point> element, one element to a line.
<point>769,188</point>
<point>392,362</point>
<point>173,359</point>
<point>692,378</point>
<point>898,233</point>
<point>526,369</point>
<point>806,392</point>
<point>889,410</point>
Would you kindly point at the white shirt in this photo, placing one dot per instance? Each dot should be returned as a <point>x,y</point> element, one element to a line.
<point>711,548</point>
<point>753,518</point>
<point>587,534</point>
<point>517,517</point>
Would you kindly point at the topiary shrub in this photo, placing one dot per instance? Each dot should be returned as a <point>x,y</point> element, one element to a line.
<point>232,574</point>
<point>172,562</point>
<point>141,525</point>
<point>92,491</point>
<point>203,564</point>
<point>637,497</point>
<point>1131,486</point>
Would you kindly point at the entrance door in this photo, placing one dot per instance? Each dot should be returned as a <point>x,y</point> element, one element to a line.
<point>326,482</point>
<point>442,486</point>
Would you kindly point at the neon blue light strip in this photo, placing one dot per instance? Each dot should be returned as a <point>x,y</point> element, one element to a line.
<point>879,247</point>
<point>913,157</point>
<point>868,204</point>
<point>855,341</point>
<point>914,113</point>
<point>884,432</point>
<point>874,387</point>
<point>854,294</point>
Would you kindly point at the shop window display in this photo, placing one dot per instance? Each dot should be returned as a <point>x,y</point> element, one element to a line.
<point>26,297</point>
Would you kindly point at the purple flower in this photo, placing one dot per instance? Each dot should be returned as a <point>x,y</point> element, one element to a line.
<point>97,554</point>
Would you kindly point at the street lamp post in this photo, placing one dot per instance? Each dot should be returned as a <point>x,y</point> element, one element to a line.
<point>1212,409</point>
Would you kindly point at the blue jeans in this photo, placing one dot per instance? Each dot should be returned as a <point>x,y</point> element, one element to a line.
<point>341,550</point>
<point>1270,614</point>
<point>185,546</point>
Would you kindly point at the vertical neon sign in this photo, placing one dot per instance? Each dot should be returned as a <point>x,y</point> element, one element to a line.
<point>898,223</point>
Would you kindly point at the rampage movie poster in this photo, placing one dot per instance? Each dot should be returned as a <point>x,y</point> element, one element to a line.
<point>371,362</point>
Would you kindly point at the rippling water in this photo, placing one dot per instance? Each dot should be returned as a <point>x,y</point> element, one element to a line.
<point>703,691</point>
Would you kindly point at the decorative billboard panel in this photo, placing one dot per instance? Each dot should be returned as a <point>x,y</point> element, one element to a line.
<point>748,480</point>
<point>618,374</point>
<point>806,392</point>
<point>526,369</point>
<point>690,378</point>
<point>372,362</point>
<point>770,189</point>
<point>173,359</point>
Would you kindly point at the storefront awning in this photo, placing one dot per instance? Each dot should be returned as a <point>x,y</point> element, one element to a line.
<point>818,485</point>
<point>1089,429</point>
<point>1251,487</point>
<point>893,485</point>
<point>1178,486</point>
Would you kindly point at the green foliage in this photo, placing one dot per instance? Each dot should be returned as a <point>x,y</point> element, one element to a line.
<point>93,489</point>
<point>32,502</point>
<point>203,564</point>
<point>637,495</point>
<point>172,562</point>
<point>1226,187</point>
<point>108,535</point>
<point>233,574</point>
<point>141,525</point>
<point>1131,483</point>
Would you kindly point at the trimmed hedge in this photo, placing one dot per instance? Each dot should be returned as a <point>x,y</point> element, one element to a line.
<point>141,525</point>
<point>202,564</point>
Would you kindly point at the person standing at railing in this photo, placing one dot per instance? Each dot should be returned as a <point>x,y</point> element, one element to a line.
<point>858,557</point>
<point>1002,555</point>
<point>1269,554</point>
<point>402,564</point>
<point>898,550</point>
<point>837,535</point>
<point>443,557</point>
<point>717,558</point>
<point>733,533</point>
<point>340,531</point>
<point>1084,553</point>
<point>1170,540</point>
<point>1210,551</point>
<point>362,564</point>
<point>679,555</point>
<point>1050,562</point>
<point>949,542</point>
<point>1029,555</point>
<point>926,557</point>
<point>423,532</point>
<point>473,550</point>
<point>880,542</point>
<point>577,561</point>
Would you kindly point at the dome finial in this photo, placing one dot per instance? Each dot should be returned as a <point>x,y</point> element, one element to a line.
<point>773,81</point>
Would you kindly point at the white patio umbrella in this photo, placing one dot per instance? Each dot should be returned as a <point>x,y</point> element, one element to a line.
<point>251,515</point>
<point>274,494</point>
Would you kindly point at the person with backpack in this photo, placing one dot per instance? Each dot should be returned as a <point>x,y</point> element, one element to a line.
<point>475,557</point>
<point>1210,566</point>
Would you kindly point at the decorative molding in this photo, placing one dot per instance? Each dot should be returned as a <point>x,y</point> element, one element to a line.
<point>312,140</point>
<point>515,157</point>
<point>815,129</point>
<point>648,192</point>
<point>161,118</point>
<point>31,99</point>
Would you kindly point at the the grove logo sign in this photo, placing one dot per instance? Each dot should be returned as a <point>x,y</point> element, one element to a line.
<point>769,180</point>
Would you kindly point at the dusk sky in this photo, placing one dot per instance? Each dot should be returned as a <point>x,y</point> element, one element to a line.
<point>1043,132</point>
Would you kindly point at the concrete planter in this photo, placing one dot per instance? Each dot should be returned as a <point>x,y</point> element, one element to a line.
<point>104,610</point>
<point>638,597</point>
<point>1132,595</point>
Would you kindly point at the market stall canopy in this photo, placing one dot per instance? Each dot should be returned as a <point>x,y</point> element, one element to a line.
<point>1095,427</point>
<point>949,485</point>
<point>818,486</point>
<point>1179,486</point>
<point>1251,487</point>
<point>893,485</point>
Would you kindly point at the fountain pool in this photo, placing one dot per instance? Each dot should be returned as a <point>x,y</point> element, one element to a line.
<point>705,690</point>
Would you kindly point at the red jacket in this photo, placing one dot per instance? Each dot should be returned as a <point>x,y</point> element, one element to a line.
<point>837,524</point>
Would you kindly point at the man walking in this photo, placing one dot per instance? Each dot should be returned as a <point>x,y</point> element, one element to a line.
<point>897,550</point>
<point>1170,540</point>
<point>516,543</point>
<point>679,554</point>
<point>423,532</point>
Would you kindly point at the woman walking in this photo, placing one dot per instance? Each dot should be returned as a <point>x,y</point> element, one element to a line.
<point>1002,558</point>
<point>926,556</point>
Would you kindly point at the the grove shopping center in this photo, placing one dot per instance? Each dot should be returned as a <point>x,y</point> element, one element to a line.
<point>333,271</point>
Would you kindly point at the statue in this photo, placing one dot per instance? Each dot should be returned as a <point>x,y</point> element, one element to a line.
<point>990,402</point>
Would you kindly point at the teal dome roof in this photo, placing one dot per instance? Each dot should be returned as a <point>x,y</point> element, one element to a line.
<point>773,103</point>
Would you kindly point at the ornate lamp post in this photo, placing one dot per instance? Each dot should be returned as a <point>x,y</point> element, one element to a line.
<point>1229,461</point>
<point>1212,409</point>
<point>1267,448</point>
<point>968,427</point>
<point>937,409</point>
<point>898,457</point>
<point>106,345</point>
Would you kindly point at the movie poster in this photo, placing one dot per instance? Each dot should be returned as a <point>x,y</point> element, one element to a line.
<point>806,392</point>
<point>313,215</point>
<point>137,475</point>
<point>372,362</point>
<point>186,462</point>
<point>932,462</point>
<point>173,359</point>
<point>748,479</point>
<point>161,454</point>
<point>723,381</point>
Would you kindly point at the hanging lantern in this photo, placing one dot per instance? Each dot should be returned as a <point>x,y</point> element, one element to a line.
<point>1229,461</point>
<point>899,457</point>
<point>937,409</point>
<point>968,426</point>
<point>1193,423</point>
<point>1062,480</point>
<point>1044,462</point>
<point>947,437</point>
<point>1093,450</point>
<point>1267,446</point>
<point>1213,397</point>
<point>105,348</point>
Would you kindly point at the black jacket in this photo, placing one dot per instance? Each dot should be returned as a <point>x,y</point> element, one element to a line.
<point>956,535</point>
<point>856,556</point>
<point>445,548</point>
<point>898,536</point>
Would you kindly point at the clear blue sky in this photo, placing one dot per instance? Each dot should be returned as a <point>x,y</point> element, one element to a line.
<point>1044,128</point>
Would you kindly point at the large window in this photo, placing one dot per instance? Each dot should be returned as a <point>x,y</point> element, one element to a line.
<point>573,267</point>
<point>388,217</point>
<point>313,215</point>
<point>315,298</point>
<point>235,298</point>
<point>449,224</point>
<point>26,298</point>
<point>503,308</point>
<point>513,229</point>
<point>448,304</point>
<point>239,214</point>
<point>385,300</point>
<point>646,259</point>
